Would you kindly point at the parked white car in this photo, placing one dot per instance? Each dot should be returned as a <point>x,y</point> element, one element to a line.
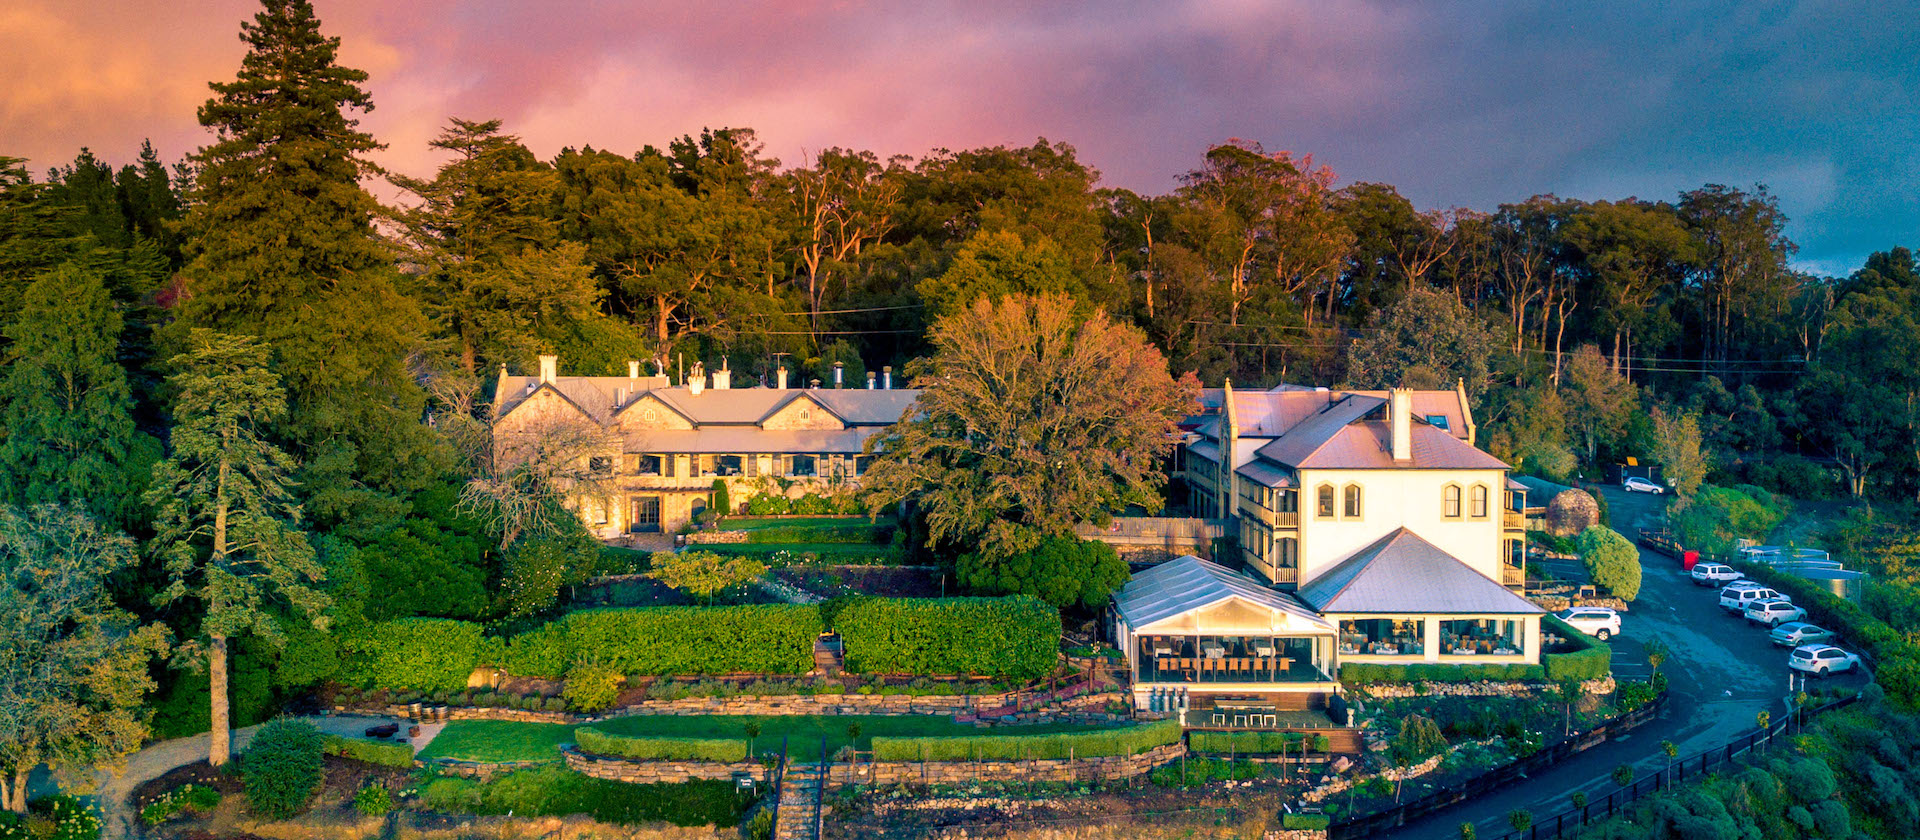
<point>1773,612</point>
<point>1636,484</point>
<point>1602,623</point>
<point>1821,660</point>
<point>1793,634</point>
<point>1735,598</point>
<point>1709,574</point>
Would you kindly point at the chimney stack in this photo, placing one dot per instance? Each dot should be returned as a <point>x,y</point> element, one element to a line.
<point>886,377</point>
<point>698,381</point>
<point>633,369</point>
<point>723,378</point>
<point>837,367</point>
<point>781,377</point>
<point>816,385</point>
<point>871,376</point>
<point>1400,417</point>
<point>549,368</point>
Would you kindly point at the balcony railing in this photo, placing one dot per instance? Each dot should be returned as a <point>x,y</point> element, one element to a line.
<point>1513,520</point>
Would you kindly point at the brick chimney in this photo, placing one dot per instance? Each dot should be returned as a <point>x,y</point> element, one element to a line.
<point>723,378</point>
<point>549,368</point>
<point>1400,417</point>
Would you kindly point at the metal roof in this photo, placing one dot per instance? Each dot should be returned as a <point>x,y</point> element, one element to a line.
<point>1273,413</point>
<point>1266,475</point>
<point>1181,586</point>
<point>1368,445</point>
<point>603,397</point>
<point>1402,574</point>
<point>732,440</point>
<point>1303,440</point>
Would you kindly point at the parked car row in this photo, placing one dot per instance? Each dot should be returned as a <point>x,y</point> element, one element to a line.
<point>1812,653</point>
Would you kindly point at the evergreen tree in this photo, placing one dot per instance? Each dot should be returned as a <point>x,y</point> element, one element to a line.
<point>283,247</point>
<point>65,404</point>
<point>35,233</point>
<point>228,524</point>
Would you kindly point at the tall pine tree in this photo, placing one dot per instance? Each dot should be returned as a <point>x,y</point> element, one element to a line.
<point>65,404</point>
<point>227,522</point>
<point>283,247</point>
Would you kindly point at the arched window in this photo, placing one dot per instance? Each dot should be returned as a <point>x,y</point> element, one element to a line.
<point>1450,501</point>
<point>1324,510</point>
<point>1353,501</point>
<point>1479,498</point>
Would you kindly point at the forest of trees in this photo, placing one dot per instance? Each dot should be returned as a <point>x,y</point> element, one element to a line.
<point>272,383</point>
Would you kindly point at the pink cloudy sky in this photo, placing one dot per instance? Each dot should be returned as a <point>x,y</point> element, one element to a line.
<point>1455,103</point>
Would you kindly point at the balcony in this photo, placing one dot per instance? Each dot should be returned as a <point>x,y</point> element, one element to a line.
<point>1208,660</point>
<point>1513,520</point>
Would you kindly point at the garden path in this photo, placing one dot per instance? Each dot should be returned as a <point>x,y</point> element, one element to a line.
<point>157,759</point>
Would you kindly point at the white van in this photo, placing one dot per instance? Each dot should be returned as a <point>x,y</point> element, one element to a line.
<point>1734,599</point>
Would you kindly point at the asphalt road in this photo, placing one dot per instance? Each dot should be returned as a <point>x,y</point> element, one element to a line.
<point>1722,671</point>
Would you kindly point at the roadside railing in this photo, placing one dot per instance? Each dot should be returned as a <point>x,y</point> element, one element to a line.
<point>1675,773</point>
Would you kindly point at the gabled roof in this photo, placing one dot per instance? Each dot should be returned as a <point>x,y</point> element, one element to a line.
<point>1189,584</point>
<point>1404,574</point>
<point>1270,414</point>
<point>604,397</point>
<point>1369,445</point>
<point>1300,443</point>
<point>1265,474</point>
<point>726,439</point>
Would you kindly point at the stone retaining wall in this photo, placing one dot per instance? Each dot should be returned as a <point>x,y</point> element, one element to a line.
<point>1603,685</point>
<point>1089,708</point>
<point>716,537</point>
<point>887,772</point>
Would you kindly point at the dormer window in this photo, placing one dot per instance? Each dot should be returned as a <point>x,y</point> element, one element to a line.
<point>1438,421</point>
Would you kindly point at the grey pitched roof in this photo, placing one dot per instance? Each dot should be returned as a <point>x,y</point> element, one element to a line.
<point>603,397</point>
<point>1189,583</point>
<point>1272,413</point>
<point>1369,445</point>
<point>734,439</point>
<point>1403,574</point>
<point>1307,437</point>
<point>1266,475</point>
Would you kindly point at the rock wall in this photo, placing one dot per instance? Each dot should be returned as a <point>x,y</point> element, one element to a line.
<point>716,537</point>
<point>887,772</point>
<point>1603,685</point>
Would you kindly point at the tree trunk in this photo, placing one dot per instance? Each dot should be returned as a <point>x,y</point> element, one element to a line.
<point>13,788</point>
<point>220,740</point>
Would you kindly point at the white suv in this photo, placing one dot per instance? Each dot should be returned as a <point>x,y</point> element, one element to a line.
<point>1602,623</point>
<point>1708,574</point>
<point>1734,599</point>
<point>1774,611</point>
<point>1821,660</point>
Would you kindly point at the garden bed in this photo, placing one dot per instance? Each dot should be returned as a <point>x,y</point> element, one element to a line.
<point>494,741</point>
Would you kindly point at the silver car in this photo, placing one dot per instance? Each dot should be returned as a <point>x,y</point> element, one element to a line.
<point>1796,633</point>
<point>1774,611</point>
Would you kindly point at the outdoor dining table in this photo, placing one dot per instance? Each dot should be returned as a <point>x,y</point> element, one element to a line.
<point>1264,647</point>
<point>1213,650</point>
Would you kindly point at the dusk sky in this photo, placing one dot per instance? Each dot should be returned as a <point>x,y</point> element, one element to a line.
<point>1456,104</point>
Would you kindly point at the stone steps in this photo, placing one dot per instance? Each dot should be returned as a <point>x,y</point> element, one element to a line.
<point>799,819</point>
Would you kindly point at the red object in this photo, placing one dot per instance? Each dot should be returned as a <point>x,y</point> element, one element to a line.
<point>1687,559</point>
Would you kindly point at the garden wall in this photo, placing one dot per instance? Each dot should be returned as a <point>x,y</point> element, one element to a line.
<point>888,772</point>
<point>1089,707</point>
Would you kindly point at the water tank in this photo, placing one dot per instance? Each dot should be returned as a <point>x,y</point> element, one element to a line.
<point>1847,584</point>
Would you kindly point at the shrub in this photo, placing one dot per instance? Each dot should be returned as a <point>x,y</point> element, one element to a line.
<point>1611,559</point>
<point>670,749</point>
<point>281,769</point>
<point>852,533</point>
<point>592,685</point>
<point>1632,695</point>
<point>416,654</point>
<point>770,638</point>
<point>373,800</point>
<point>554,791</point>
<point>1127,740</point>
<point>555,704</point>
<point>1062,571</point>
<point>1590,660</point>
<point>1419,738</point>
<point>1717,516</point>
<point>722,502</point>
<point>70,818</point>
<point>1016,637</point>
<point>1248,742</point>
<point>371,752</point>
<point>1305,822</point>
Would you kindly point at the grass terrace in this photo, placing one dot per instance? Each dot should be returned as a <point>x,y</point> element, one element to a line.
<point>499,740</point>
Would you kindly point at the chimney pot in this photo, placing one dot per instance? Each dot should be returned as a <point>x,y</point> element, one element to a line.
<point>886,377</point>
<point>816,385</point>
<point>871,377</point>
<point>549,368</point>
<point>837,368</point>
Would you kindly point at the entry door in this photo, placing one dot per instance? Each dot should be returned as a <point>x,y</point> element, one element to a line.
<point>646,514</point>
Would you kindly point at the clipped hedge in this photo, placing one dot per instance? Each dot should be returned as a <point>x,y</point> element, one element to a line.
<point>1130,740</point>
<point>371,752</point>
<point>1249,742</point>
<point>1592,661</point>
<point>761,638</point>
<point>1360,673</point>
<point>670,749</point>
<point>860,533</point>
<point>418,654</point>
<point>1017,637</point>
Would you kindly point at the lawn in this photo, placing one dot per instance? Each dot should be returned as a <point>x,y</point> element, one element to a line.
<point>500,740</point>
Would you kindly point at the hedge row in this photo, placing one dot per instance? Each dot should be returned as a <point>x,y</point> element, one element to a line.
<point>1130,740</point>
<point>1895,657</point>
<point>371,752</point>
<point>418,654</point>
<point>1250,742</point>
<point>1016,637</point>
<point>1361,673</point>
<point>1593,659</point>
<point>667,749</point>
<point>862,533</point>
<point>760,638</point>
